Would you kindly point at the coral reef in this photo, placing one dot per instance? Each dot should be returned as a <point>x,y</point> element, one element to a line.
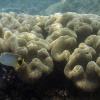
<point>34,51</point>
<point>62,47</point>
<point>80,68</point>
<point>70,39</point>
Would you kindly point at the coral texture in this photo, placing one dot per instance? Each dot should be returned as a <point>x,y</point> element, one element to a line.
<point>80,69</point>
<point>70,38</point>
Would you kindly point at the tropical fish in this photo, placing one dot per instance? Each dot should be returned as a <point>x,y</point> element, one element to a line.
<point>10,59</point>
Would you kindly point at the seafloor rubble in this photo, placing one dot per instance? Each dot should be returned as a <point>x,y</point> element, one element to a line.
<point>70,39</point>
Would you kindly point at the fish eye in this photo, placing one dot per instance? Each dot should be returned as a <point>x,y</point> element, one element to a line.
<point>20,62</point>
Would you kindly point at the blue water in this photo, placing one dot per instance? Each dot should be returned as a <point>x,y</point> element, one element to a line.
<point>26,6</point>
<point>47,7</point>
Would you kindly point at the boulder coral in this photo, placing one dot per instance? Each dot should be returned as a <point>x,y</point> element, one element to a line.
<point>35,53</point>
<point>94,42</point>
<point>30,72</point>
<point>61,32</point>
<point>79,68</point>
<point>82,30</point>
<point>70,39</point>
<point>62,47</point>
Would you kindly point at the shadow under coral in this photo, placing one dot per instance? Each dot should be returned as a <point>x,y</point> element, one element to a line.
<point>52,87</point>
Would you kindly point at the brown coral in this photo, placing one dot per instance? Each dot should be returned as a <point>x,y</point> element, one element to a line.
<point>78,68</point>
<point>34,51</point>
<point>62,47</point>
<point>61,32</point>
<point>40,40</point>
<point>31,72</point>
<point>82,30</point>
<point>94,42</point>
